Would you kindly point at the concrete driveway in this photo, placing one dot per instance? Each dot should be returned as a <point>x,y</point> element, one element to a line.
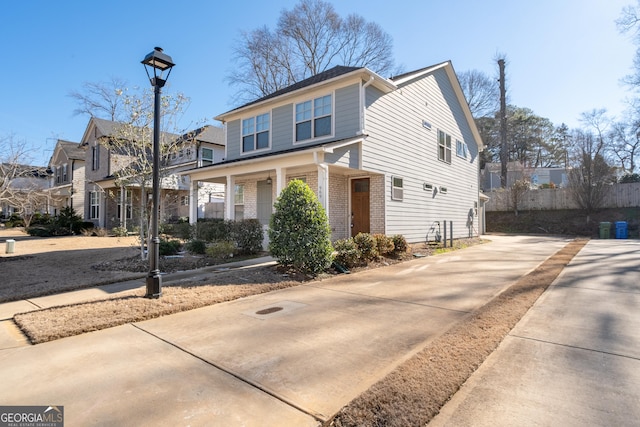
<point>291,357</point>
<point>573,359</point>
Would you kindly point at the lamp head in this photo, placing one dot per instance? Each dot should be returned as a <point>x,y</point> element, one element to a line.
<point>159,62</point>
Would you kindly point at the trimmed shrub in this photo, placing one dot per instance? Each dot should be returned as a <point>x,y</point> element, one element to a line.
<point>196,246</point>
<point>169,247</point>
<point>39,231</point>
<point>119,231</point>
<point>212,230</point>
<point>367,246</point>
<point>347,253</point>
<point>221,249</point>
<point>384,244</point>
<point>299,232</point>
<point>399,244</point>
<point>181,230</point>
<point>248,236</point>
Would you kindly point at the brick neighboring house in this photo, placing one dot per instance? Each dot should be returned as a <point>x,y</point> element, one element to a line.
<point>67,166</point>
<point>113,200</point>
<point>391,156</point>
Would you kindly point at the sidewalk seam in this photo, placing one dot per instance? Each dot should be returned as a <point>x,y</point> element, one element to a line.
<point>575,347</point>
<point>318,417</point>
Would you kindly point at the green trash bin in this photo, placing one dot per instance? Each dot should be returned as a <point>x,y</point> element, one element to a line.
<point>605,229</point>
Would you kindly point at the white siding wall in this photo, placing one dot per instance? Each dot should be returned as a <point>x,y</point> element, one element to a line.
<point>399,144</point>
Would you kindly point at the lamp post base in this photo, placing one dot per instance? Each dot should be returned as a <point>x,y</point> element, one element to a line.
<point>154,285</point>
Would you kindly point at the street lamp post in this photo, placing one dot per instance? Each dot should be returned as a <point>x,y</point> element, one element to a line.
<point>159,62</point>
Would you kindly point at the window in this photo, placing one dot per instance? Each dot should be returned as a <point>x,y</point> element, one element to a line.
<point>238,200</point>
<point>206,156</point>
<point>313,118</point>
<point>255,133</point>
<point>461,149</point>
<point>127,205</point>
<point>56,173</point>
<point>64,173</point>
<point>397,191</point>
<point>444,147</point>
<point>95,158</point>
<point>94,198</point>
<point>184,201</point>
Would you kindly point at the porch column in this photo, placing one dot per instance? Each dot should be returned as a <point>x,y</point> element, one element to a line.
<point>323,186</point>
<point>229,204</point>
<point>193,202</point>
<point>279,181</point>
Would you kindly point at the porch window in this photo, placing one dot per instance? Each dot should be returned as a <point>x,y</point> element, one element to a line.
<point>255,133</point>
<point>127,204</point>
<point>94,205</point>
<point>206,156</point>
<point>397,188</point>
<point>444,147</point>
<point>461,149</point>
<point>184,200</point>
<point>238,200</point>
<point>313,118</point>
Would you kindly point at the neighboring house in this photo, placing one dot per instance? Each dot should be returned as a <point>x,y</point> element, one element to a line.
<point>67,166</point>
<point>112,199</point>
<point>23,190</point>
<point>391,156</point>
<point>536,176</point>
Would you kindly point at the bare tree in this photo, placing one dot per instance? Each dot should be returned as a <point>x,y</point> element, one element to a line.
<point>590,174</point>
<point>101,99</point>
<point>308,39</point>
<point>481,91</point>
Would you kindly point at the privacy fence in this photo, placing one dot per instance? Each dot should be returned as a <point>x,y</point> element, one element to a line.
<point>617,196</point>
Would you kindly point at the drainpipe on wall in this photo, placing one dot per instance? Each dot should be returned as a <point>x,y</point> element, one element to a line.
<point>362,101</point>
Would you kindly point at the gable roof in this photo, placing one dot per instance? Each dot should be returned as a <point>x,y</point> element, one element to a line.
<point>72,149</point>
<point>207,133</point>
<point>337,72</point>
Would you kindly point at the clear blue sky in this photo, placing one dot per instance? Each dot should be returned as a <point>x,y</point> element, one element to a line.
<point>563,56</point>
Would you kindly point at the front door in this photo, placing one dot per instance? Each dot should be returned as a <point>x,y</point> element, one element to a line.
<point>264,202</point>
<point>359,206</point>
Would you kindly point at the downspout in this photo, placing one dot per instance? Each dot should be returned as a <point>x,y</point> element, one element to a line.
<point>363,114</point>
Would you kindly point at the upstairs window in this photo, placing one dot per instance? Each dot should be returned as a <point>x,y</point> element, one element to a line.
<point>95,158</point>
<point>313,118</point>
<point>206,156</point>
<point>444,147</point>
<point>64,173</point>
<point>461,149</point>
<point>255,133</point>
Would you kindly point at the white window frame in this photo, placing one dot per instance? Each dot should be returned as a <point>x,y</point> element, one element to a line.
<point>312,111</point>
<point>461,149</point>
<point>444,147</point>
<point>238,202</point>
<point>94,205</point>
<point>95,157</point>
<point>397,188</point>
<point>184,200</point>
<point>256,128</point>
<point>128,205</point>
<point>206,161</point>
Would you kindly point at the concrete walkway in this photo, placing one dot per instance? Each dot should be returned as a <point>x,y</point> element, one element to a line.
<point>573,359</point>
<point>290,357</point>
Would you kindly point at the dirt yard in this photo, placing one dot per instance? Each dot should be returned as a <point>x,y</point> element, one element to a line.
<point>39,266</point>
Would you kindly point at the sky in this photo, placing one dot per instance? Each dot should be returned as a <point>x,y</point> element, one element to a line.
<point>563,57</point>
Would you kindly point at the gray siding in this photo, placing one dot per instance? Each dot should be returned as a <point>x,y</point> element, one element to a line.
<point>233,139</point>
<point>347,111</point>
<point>282,128</point>
<point>399,145</point>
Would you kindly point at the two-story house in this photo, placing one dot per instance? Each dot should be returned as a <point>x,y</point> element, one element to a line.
<point>67,177</point>
<point>114,188</point>
<point>389,156</point>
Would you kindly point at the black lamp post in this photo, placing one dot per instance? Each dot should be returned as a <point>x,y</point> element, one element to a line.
<point>159,62</point>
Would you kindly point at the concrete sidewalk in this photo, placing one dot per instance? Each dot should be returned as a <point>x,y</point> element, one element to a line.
<point>290,357</point>
<point>573,359</point>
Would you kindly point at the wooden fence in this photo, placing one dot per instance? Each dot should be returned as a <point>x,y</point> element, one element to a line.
<point>617,196</point>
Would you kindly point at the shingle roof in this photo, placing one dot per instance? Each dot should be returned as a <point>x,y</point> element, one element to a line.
<point>329,74</point>
<point>72,150</point>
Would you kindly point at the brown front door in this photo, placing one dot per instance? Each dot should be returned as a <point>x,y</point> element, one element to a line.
<point>359,206</point>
